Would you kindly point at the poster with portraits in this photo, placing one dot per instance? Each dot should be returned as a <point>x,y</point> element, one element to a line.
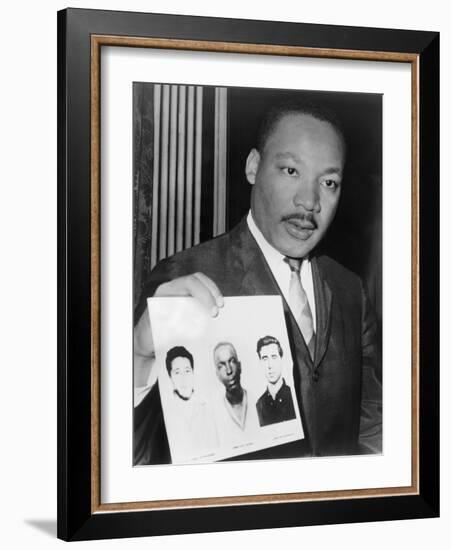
<point>225,382</point>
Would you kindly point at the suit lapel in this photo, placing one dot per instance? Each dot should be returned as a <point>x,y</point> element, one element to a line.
<point>259,280</point>
<point>323,304</point>
<point>257,276</point>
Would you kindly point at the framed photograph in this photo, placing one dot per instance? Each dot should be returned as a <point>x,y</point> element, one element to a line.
<point>248,274</point>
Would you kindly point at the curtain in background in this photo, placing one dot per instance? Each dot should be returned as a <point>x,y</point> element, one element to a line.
<point>179,171</point>
<point>143,141</point>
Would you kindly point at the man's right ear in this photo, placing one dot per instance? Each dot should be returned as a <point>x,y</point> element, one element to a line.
<point>252,162</point>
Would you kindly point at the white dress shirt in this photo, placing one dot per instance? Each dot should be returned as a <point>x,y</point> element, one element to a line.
<point>281,270</point>
<point>231,431</point>
<point>190,427</point>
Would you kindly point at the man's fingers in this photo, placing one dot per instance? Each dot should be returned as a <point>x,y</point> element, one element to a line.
<point>198,286</point>
<point>212,287</point>
<point>198,290</point>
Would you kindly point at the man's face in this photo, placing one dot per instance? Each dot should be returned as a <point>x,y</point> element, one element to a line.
<point>296,183</point>
<point>272,362</point>
<point>228,368</point>
<point>182,377</point>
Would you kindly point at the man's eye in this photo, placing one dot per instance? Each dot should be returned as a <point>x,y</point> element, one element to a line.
<point>290,171</point>
<point>330,184</point>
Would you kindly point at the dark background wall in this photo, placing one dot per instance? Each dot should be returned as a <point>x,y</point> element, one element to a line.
<point>355,236</point>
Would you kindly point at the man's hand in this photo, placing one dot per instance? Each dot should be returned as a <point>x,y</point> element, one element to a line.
<point>198,286</point>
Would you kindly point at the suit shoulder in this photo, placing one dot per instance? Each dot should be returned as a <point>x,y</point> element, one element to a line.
<point>196,258</point>
<point>259,402</point>
<point>342,281</point>
<point>337,272</point>
<point>286,388</point>
<point>212,246</point>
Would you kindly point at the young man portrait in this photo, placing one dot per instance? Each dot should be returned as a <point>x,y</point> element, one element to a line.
<point>276,403</point>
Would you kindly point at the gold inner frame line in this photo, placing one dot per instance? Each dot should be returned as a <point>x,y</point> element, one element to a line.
<point>97,41</point>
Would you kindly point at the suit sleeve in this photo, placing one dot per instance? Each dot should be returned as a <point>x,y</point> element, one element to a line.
<point>370,434</point>
<point>160,274</point>
<point>150,442</point>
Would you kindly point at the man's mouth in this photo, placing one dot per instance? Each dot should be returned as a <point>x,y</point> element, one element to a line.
<point>299,228</point>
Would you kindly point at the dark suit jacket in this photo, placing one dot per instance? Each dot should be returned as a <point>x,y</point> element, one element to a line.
<point>339,395</point>
<point>279,409</point>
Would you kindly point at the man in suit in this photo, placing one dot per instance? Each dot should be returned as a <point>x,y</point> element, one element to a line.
<point>275,404</point>
<point>296,173</point>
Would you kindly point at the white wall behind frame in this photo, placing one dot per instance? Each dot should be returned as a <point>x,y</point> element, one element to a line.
<point>28,280</point>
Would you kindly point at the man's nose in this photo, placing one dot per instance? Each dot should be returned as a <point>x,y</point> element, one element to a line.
<point>229,369</point>
<point>307,196</point>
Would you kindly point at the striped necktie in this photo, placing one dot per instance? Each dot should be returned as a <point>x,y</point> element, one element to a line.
<point>299,305</point>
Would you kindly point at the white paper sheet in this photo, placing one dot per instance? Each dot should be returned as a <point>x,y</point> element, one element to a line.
<point>201,424</point>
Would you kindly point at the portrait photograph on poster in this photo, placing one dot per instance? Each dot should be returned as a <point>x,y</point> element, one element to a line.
<point>224,391</point>
<point>242,192</point>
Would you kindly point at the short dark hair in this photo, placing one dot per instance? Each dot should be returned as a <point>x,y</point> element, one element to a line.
<point>266,341</point>
<point>222,344</point>
<point>299,107</point>
<point>177,351</point>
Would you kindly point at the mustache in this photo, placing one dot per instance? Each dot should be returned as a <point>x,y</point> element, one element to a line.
<point>305,219</point>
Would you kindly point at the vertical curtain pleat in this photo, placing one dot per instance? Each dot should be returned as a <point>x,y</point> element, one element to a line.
<point>162,253</point>
<point>222,170</point>
<point>172,172</point>
<point>181,168</point>
<point>189,168</point>
<point>215,175</point>
<point>177,170</point>
<point>198,165</point>
<point>143,166</point>
<point>220,162</point>
<point>156,172</point>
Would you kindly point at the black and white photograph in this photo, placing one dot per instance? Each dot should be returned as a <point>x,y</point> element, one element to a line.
<point>248,272</point>
<point>224,391</point>
<point>244,194</point>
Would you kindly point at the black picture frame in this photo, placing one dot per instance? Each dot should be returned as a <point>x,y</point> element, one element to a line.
<point>78,516</point>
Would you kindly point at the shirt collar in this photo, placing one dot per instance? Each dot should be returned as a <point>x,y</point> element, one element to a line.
<point>232,413</point>
<point>279,386</point>
<point>273,257</point>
